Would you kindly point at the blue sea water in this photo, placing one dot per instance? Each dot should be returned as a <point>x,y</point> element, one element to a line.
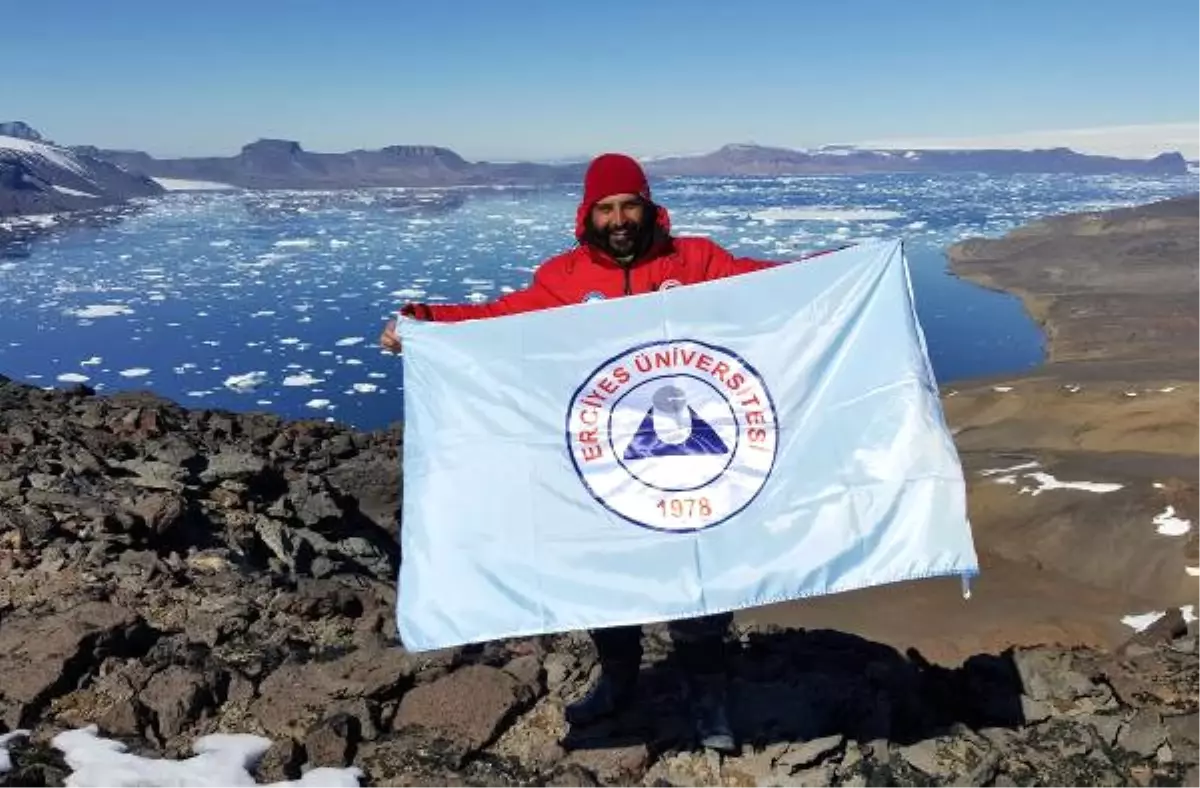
<point>274,300</point>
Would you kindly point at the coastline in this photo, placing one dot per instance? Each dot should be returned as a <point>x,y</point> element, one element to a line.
<point>1062,561</point>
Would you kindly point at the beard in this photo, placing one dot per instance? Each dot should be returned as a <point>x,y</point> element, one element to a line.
<point>629,239</point>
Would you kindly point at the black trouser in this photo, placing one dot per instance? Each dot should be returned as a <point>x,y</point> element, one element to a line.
<point>699,644</point>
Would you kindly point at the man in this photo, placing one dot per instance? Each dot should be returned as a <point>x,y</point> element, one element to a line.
<point>625,248</point>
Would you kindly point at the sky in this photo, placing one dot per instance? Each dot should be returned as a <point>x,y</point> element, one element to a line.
<point>546,79</point>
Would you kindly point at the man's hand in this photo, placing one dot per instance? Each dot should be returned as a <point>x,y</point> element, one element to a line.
<point>389,340</point>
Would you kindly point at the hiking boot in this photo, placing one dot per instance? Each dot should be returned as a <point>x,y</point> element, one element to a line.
<point>710,718</point>
<point>612,694</point>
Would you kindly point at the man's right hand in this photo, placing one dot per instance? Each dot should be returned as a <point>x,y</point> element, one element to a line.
<point>389,340</point>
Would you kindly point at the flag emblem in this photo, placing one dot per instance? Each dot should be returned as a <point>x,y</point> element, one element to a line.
<point>677,435</point>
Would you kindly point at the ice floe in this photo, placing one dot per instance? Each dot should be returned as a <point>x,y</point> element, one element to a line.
<point>246,382</point>
<point>303,379</point>
<point>93,311</point>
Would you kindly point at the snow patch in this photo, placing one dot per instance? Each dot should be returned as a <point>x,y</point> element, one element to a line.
<point>52,154</point>
<point>1022,467</point>
<point>185,185</point>
<point>1168,524</point>
<point>71,192</point>
<point>220,759</point>
<point>1002,389</point>
<point>1048,482</point>
<point>1139,621</point>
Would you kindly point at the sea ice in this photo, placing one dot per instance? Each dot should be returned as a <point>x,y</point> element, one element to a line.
<point>824,214</point>
<point>134,372</point>
<point>246,382</point>
<point>93,311</point>
<point>318,404</point>
<point>73,377</point>
<point>303,379</point>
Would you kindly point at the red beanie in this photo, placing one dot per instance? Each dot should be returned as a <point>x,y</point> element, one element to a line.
<point>609,174</point>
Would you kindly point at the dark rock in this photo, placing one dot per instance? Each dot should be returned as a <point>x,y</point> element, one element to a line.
<point>527,670</point>
<point>617,765</point>
<point>295,696</point>
<point>373,483</point>
<point>311,501</point>
<point>36,527</point>
<point>1143,734</point>
<point>333,740</point>
<point>232,464</point>
<point>572,775</point>
<point>176,696</point>
<point>45,656</point>
<point>161,511</point>
<point>281,762</point>
<point>469,706</point>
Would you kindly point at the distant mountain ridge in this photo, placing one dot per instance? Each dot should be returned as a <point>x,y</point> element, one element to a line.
<point>757,160</point>
<point>37,176</point>
<point>284,164</point>
<point>275,163</point>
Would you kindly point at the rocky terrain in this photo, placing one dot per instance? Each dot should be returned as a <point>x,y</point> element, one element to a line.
<point>168,573</point>
<point>38,177</point>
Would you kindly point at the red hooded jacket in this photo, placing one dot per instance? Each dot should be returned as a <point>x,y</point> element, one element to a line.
<point>585,273</point>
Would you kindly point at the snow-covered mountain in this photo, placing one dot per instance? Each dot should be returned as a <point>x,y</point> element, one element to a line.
<point>38,177</point>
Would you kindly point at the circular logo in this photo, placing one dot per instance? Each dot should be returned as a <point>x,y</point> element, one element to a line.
<point>677,435</point>
<point>595,295</point>
<point>669,283</point>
